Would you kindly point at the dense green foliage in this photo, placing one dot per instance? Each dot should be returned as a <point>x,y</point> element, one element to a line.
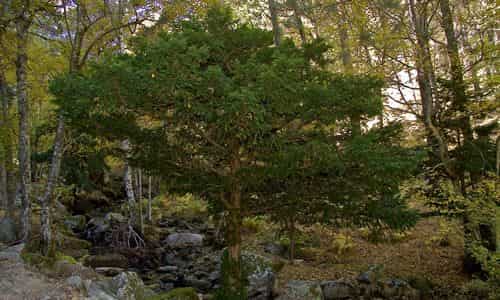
<point>193,100</point>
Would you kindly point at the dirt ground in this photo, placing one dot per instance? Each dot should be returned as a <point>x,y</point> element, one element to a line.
<point>432,250</point>
<point>18,282</point>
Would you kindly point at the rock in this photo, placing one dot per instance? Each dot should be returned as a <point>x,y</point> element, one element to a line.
<point>7,230</point>
<point>166,286</point>
<point>198,284</point>
<point>109,271</point>
<point>76,223</point>
<point>96,229</point>
<point>12,253</point>
<point>181,240</point>
<point>124,286</point>
<point>115,218</point>
<point>169,277</point>
<point>64,268</point>
<point>338,290</point>
<point>274,249</point>
<point>398,289</point>
<point>76,282</point>
<point>107,260</point>
<point>301,290</point>
<point>129,286</point>
<point>177,294</point>
<point>370,276</point>
<point>99,290</point>
<point>167,269</point>
<point>86,201</point>
<point>261,277</point>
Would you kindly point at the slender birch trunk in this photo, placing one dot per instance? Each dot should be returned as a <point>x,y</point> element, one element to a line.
<point>22,25</point>
<point>141,215</point>
<point>150,200</point>
<point>46,200</point>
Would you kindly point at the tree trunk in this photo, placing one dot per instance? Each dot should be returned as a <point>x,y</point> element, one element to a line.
<point>292,231</point>
<point>498,156</point>
<point>456,69</point>
<point>5,164</point>
<point>425,79</point>
<point>46,200</point>
<point>273,11</point>
<point>150,200</point>
<point>298,20</point>
<point>233,236</point>
<point>22,25</point>
<point>139,188</point>
<point>235,281</point>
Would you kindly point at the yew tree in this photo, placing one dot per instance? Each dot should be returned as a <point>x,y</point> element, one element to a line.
<point>217,109</point>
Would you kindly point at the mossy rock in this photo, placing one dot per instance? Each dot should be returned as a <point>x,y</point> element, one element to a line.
<point>107,260</point>
<point>62,256</point>
<point>177,294</point>
<point>64,242</point>
<point>35,259</point>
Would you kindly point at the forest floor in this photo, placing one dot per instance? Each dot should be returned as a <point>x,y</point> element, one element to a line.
<point>18,281</point>
<point>431,252</point>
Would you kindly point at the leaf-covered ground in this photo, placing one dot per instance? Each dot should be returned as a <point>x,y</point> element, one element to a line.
<point>431,251</point>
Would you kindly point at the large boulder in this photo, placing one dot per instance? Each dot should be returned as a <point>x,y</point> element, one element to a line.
<point>75,223</point>
<point>398,289</point>
<point>301,290</point>
<point>86,201</point>
<point>177,294</point>
<point>107,260</point>
<point>7,230</point>
<point>113,218</point>
<point>182,240</point>
<point>12,253</point>
<point>129,286</point>
<point>261,277</point>
<point>124,286</point>
<point>339,289</point>
<point>96,229</point>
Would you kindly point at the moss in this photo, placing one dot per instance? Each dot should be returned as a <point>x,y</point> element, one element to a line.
<point>177,294</point>
<point>277,265</point>
<point>62,256</point>
<point>70,242</point>
<point>34,259</point>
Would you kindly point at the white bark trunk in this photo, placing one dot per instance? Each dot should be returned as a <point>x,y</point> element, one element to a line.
<point>47,199</point>
<point>22,25</point>
<point>150,200</point>
<point>128,179</point>
<point>139,182</point>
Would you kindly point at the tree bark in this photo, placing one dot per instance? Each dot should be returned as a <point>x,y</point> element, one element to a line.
<point>233,230</point>
<point>6,168</point>
<point>292,231</point>
<point>456,70</point>
<point>46,200</point>
<point>150,200</point>
<point>425,79</point>
<point>22,25</point>
<point>498,155</point>
<point>298,20</point>
<point>273,11</point>
<point>139,188</point>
